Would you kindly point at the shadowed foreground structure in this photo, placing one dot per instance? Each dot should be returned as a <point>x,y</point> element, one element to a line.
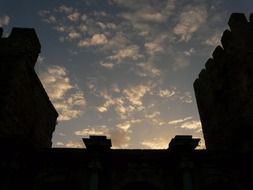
<point>28,118</point>
<point>223,90</point>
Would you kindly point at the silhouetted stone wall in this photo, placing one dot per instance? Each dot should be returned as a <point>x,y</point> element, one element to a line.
<point>224,89</point>
<point>27,117</point>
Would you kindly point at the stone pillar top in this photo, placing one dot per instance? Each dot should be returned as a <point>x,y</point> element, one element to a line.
<point>97,143</point>
<point>183,142</point>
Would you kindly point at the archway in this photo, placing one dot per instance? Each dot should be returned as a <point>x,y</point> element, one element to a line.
<point>138,186</point>
<point>219,187</point>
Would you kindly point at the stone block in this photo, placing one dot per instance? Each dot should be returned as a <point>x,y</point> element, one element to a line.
<point>237,21</point>
<point>226,39</point>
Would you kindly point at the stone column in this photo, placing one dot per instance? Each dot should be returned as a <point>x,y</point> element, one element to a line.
<point>186,167</point>
<point>94,174</point>
<point>96,146</point>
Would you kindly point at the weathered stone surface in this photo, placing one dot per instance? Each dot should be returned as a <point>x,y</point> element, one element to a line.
<point>26,113</point>
<point>224,90</point>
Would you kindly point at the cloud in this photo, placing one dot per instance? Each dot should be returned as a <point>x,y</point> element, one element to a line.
<point>192,125</point>
<point>62,134</point>
<point>187,123</point>
<point>147,69</point>
<point>144,16</point>
<point>69,144</point>
<point>100,130</point>
<point>109,101</point>
<point>127,53</point>
<point>153,115</point>
<point>126,125</point>
<point>107,65</point>
<point>152,16</point>
<point>102,25</point>
<point>95,40</point>
<point>72,144</point>
<point>120,138</point>
<point>166,93</point>
<point>4,20</point>
<point>71,13</point>
<point>189,52</point>
<point>98,39</point>
<point>118,103</point>
<point>74,35</point>
<point>59,143</point>
<point>186,98</point>
<point>175,94</point>
<point>84,17</point>
<point>127,102</point>
<point>135,93</point>
<point>156,143</point>
<point>40,59</point>
<point>47,17</point>
<point>201,144</point>
<point>189,22</point>
<point>213,40</point>
<point>145,11</point>
<point>67,98</point>
<point>65,9</point>
<point>74,16</point>
<point>138,44</point>
<point>153,48</point>
<point>56,82</point>
<point>76,26</point>
<point>180,62</point>
<point>102,109</point>
<point>178,121</point>
<point>117,41</point>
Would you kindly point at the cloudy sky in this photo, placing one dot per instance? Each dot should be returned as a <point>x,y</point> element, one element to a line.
<point>123,68</point>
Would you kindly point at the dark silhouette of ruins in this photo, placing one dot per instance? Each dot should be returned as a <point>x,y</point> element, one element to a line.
<point>27,115</point>
<point>223,91</point>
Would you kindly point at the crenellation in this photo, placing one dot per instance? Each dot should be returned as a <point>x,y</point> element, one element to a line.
<point>223,90</point>
<point>226,39</point>
<point>237,22</point>
<point>209,64</point>
<point>219,57</point>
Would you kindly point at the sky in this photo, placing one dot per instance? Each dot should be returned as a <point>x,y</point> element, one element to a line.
<point>123,68</point>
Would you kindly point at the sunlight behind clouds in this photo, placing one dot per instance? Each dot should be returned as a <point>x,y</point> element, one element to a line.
<point>67,98</point>
<point>190,20</point>
<point>125,69</point>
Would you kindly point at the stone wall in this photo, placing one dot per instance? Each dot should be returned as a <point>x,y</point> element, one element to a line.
<point>27,117</point>
<point>224,89</point>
